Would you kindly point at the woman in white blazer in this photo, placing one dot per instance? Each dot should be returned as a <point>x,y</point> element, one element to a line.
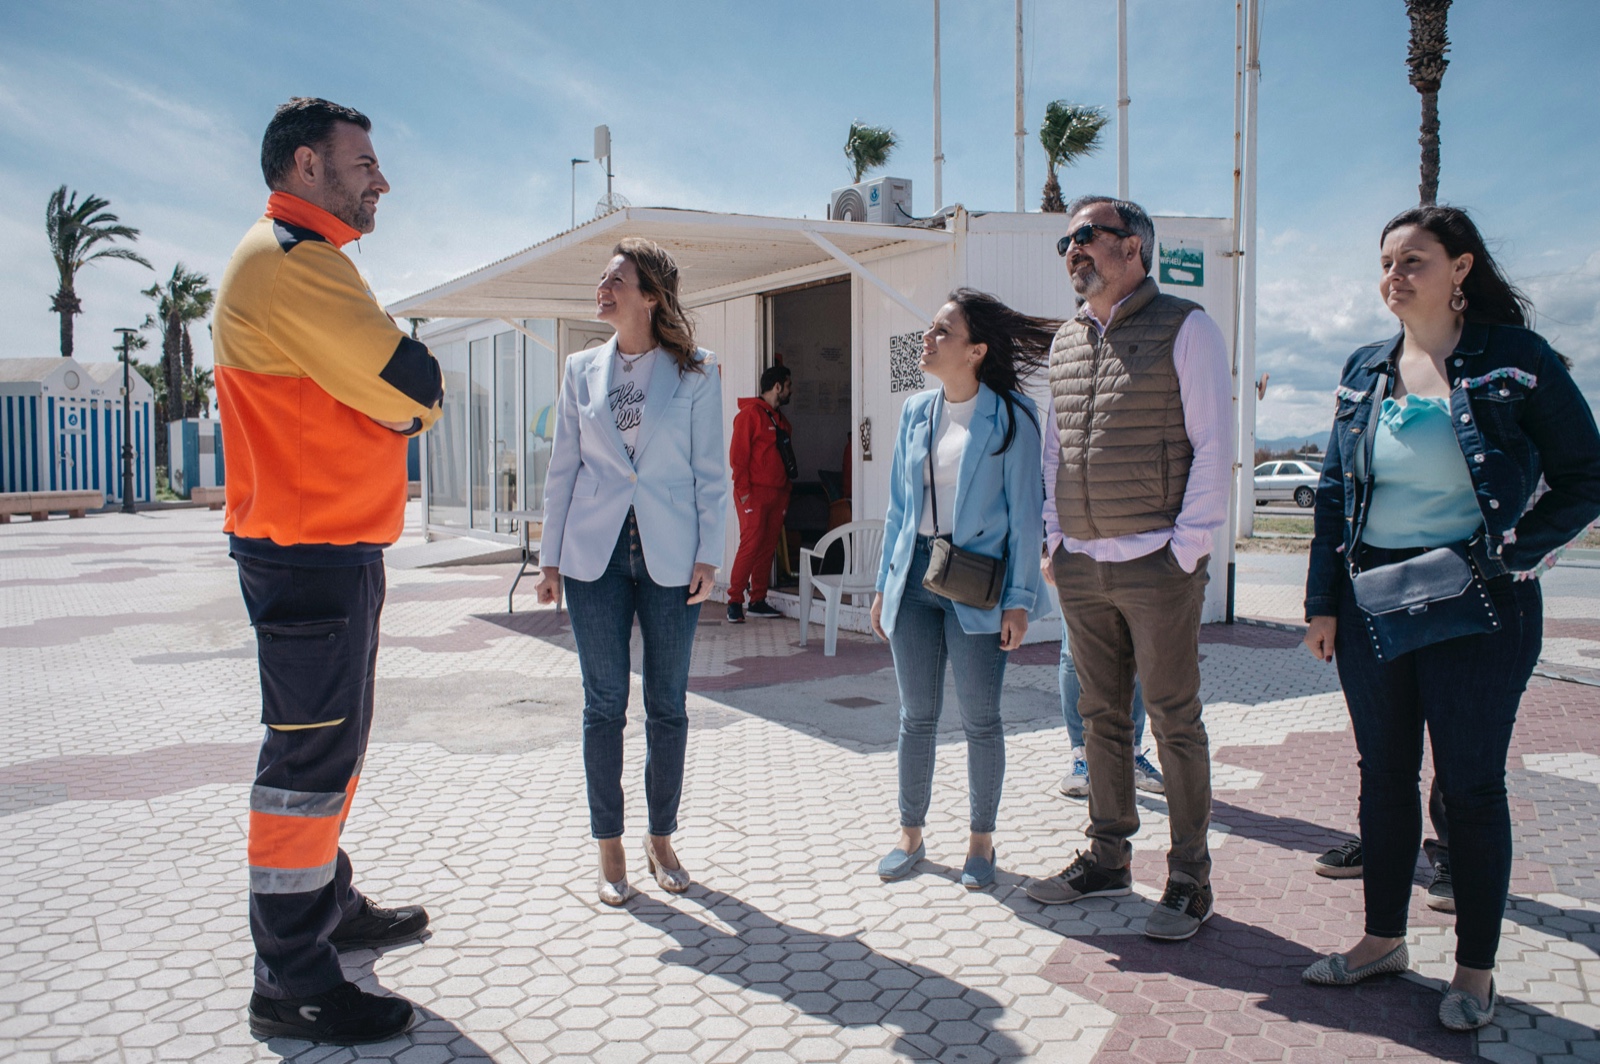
<point>966,468</point>
<point>635,499</point>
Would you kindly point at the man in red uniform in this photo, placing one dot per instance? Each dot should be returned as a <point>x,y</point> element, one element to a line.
<point>762,460</point>
<point>318,390</point>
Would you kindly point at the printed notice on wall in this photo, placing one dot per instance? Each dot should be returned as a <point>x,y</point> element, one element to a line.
<point>1183,263</point>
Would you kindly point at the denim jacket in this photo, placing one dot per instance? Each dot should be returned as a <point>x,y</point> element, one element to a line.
<point>1517,415</point>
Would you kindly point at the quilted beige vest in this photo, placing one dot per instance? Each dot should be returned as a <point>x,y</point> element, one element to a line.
<point>1124,453</point>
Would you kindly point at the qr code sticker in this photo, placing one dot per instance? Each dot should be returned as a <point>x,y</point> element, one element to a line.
<point>905,363</point>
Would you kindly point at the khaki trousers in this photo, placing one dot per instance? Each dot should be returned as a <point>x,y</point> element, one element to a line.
<point>1140,617</point>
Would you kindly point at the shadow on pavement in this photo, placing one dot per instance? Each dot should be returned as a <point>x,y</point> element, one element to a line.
<point>836,978</point>
<point>1240,976</point>
<point>430,1037</point>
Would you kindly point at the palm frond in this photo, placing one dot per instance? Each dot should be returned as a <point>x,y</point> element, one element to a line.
<point>868,147</point>
<point>1070,131</point>
<point>118,253</point>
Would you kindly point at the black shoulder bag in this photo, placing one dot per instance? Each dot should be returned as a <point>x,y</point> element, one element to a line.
<point>1438,595</point>
<point>963,576</point>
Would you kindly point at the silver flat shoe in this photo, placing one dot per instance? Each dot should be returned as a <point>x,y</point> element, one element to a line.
<point>618,893</point>
<point>672,880</point>
<point>1460,1011</point>
<point>1334,970</point>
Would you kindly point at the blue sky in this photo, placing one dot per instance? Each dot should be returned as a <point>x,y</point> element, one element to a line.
<point>478,106</point>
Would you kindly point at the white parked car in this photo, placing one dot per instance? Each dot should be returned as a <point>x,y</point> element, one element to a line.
<point>1283,481</point>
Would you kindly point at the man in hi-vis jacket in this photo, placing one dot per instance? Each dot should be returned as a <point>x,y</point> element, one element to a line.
<point>318,391</point>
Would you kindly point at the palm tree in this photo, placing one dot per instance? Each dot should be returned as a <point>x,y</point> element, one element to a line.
<point>185,297</point>
<point>76,230</point>
<point>197,391</point>
<point>868,147</point>
<point>1069,132</point>
<point>1426,59</point>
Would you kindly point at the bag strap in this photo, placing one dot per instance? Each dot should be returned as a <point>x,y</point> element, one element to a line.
<point>1380,392</point>
<point>933,438</point>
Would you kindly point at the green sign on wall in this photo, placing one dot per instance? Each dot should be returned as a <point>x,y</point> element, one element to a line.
<point>1183,263</point>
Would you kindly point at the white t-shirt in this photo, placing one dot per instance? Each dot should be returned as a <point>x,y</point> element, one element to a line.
<point>949,443</point>
<point>630,383</point>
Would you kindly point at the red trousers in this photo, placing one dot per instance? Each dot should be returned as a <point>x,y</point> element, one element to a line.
<point>760,525</point>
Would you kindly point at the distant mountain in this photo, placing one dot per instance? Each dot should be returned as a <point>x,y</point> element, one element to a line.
<point>1319,440</point>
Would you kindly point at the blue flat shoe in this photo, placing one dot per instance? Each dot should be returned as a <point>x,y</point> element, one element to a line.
<point>979,873</point>
<point>899,864</point>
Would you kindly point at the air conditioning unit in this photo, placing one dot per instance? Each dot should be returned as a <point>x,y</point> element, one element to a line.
<point>886,200</point>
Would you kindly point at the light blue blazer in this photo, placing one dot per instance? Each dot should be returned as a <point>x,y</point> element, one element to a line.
<point>677,486</point>
<point>999,504</point>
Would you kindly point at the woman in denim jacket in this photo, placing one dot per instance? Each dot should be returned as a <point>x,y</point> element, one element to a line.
<point>966,468</point>
<point>1475,408</point>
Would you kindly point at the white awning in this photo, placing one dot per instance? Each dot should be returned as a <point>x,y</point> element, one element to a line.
<point>556,278</point>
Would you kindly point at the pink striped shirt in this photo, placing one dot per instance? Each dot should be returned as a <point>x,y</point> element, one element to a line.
<point>1205,386</point>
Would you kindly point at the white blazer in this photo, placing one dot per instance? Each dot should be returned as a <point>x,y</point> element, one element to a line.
<point>677,486</point>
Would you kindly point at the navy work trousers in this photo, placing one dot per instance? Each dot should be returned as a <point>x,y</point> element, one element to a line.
<point>317,646</point>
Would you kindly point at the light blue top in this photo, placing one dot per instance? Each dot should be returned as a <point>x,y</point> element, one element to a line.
<point>998,507</point>
<point>1422,494</point>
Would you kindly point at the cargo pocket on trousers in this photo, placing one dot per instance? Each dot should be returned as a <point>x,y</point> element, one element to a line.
<point>307,672</point>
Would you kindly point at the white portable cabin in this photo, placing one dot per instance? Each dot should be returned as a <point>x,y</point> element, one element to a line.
<point>843,304</point>
<point>61,427</point>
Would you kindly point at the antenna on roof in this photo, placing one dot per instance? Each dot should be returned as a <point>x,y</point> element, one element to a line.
<point>602,150</point>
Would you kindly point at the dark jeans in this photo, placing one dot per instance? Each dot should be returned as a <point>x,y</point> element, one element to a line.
<point>602,613</point>
<point>926,634</point>
<point>317,646</point>
<point>1466,691</point>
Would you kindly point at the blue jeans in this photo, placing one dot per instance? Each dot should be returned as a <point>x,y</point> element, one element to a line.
<point>1467,691</point>
<point>926,634</point>
<point>1072,690</point>
<point>602,613</point>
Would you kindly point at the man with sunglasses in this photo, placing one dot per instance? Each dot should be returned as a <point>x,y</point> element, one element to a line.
<point>1137,461</point>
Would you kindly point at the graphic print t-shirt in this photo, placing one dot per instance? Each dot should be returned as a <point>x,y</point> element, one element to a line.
<point>630,383</point>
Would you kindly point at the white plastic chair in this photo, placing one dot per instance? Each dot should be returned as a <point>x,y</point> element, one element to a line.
<point>863,550</point>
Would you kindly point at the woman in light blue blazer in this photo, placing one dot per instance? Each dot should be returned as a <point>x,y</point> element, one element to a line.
<point>967,468</point>
<point>634,504</point>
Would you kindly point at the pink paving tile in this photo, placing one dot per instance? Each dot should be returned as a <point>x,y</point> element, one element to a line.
<point>1240,977</point>
<point>147,774</point>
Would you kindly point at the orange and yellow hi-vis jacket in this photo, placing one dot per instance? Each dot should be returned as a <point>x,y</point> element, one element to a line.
<point>306,360</point>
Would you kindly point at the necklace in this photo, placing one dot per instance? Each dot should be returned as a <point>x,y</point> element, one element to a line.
<point>629,361</point>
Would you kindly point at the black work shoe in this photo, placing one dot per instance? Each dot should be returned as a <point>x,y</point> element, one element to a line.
<point>1341,862</point>
<point>735,613</point>
<point>376,926</point>
<point>343,1016</point>
<point>762,609</point>
<point>1441,892</point>
<point>1080,879</point>
<point>1183,908</point>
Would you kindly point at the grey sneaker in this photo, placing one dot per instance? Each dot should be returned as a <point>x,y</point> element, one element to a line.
<point>1075,784</point>
<point>1183,908</point>
<point>1146,776</point>
<point>1441,895</point>
<point>1080,879</point>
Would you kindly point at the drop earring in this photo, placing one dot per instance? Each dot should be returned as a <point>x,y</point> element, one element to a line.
<point>1458,302</point>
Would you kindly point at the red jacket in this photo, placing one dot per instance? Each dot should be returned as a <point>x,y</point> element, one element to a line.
<point>753,454</point>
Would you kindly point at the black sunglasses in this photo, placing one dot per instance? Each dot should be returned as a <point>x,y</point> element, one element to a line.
<point>1084,234</point>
